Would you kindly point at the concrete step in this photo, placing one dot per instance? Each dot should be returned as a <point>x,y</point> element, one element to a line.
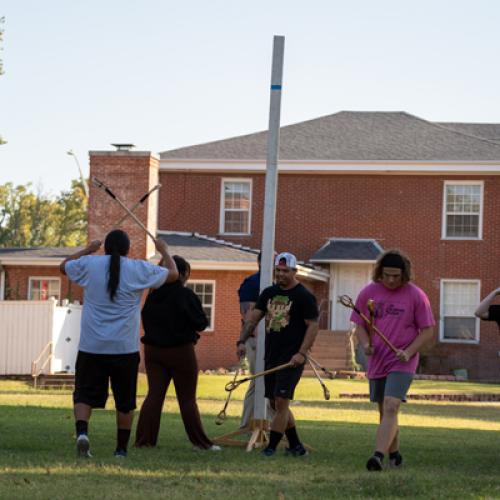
<point>56,380</point>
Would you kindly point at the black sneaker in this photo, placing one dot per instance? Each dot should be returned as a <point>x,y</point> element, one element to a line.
<point>374,463</point>
<point>268,452</point>
<point>83,446</point>
<point>297,451</point>
<point>120,453</point>
<point>397,461</point>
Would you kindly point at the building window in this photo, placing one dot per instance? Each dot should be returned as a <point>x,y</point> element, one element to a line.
<point>459,299</point>
<point>44,288</point>
<point>236,205</point>
<point>206,293</point>
<point>463,210</point>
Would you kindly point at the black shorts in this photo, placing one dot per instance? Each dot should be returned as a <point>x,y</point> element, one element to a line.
<point>282,383</point>
<point>93,373</point>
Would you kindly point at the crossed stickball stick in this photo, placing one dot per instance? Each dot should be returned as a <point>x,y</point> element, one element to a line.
<point>346,301</point>
<point>110,193</point>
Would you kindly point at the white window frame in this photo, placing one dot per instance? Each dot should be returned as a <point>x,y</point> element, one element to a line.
<point>211,326</point>
<point>444,211</point>
<point>222,213</point>
<point>442,317</point>
<point>53,278</point>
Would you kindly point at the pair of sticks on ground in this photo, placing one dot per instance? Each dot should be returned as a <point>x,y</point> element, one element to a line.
<point>231,386</point>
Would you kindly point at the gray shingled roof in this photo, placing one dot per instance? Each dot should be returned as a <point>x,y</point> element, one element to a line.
<point>347,249</point>
<point>195,248</point>
<point>38,252</point>
<point>355,136</point>
<point>191,247</point>
<point>489,131</point>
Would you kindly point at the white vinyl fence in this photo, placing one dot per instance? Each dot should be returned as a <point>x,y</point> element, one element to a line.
<point>27,327</point>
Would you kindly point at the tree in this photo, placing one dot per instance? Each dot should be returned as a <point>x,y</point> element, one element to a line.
<point>29,219</point>
<point>71,216</point>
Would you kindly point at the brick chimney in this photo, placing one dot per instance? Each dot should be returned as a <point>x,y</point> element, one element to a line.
<point>130,175</point>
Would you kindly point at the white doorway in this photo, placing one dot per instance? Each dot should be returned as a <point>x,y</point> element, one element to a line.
<point>346,279</point>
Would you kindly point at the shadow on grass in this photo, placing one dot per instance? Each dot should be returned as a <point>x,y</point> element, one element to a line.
<point>440,409</point>
<point>37,455</point>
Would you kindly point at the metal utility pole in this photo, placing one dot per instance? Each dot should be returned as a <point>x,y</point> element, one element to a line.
<point>268,229</point>
<point>82,178</point>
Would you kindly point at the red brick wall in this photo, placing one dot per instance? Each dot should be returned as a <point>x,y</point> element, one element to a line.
<point>17,278</point>
<point>129,176</point>
<point>218,348</point>
<point>398,211</point>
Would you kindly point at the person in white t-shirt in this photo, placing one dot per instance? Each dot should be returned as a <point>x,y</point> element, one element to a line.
<point>110,328</point>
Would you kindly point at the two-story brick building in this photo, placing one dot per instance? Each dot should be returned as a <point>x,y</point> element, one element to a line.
<point>350,184</point>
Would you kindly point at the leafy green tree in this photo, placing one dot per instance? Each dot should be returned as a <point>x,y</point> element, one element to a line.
<point>29,219</point>
<point>71,216</point>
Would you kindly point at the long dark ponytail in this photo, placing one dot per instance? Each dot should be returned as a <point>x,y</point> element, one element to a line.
<point>116,245</point>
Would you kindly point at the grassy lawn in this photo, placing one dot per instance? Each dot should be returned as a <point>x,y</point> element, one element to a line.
<point>452,450</point>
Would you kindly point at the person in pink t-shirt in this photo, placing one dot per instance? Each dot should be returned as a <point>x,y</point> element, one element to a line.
<point>403,313</point>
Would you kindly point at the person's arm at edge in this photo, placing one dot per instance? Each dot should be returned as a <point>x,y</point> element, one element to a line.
<point>167,261</point>
<point>252,319</point>
<point>482,309</point>
<point>92,247</point>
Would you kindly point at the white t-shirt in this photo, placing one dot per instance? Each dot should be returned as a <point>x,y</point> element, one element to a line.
<point>112,327</point>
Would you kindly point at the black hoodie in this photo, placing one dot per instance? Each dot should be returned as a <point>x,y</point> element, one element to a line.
<point>172,316</point>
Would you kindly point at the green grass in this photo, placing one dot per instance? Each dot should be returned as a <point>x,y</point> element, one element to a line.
<point>452,450</point>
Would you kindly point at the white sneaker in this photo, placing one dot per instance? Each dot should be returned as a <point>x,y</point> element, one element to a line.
<point>83,446</point>
<point>214,447</point>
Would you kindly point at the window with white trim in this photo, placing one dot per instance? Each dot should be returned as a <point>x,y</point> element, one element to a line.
<point>41,288</point>
<point>463,210</point>
<point>236,203</point>
<point>206,293</point>
<point>459,299</point>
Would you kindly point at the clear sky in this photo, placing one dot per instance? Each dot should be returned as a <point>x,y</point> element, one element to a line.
<point>164,74</point>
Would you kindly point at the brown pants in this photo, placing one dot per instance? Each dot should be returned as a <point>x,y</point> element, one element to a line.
<point>162,365</point>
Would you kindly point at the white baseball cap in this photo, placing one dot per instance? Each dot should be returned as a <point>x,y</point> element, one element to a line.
<point>289,260</point>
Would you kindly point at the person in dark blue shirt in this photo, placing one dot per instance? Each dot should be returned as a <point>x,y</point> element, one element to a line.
<point>248,294</point>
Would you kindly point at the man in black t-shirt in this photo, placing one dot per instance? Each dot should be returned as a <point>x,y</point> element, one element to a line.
<point>487,311</point>
<point>291,315</point>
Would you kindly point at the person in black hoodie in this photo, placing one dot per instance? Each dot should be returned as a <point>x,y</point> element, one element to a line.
<point>172,317</point>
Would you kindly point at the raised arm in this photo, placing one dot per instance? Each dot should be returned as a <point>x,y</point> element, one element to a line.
<point>92,247</point>
<point>167,261</point>
<point>483,307</point>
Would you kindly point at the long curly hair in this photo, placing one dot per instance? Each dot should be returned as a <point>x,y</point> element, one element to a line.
<point>406,271</point>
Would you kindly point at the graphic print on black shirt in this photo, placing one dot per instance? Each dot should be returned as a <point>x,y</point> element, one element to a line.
<point>286,312</point>
<point>278,313</point>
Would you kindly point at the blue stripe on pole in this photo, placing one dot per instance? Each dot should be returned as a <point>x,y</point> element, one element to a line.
<point>275,87</point>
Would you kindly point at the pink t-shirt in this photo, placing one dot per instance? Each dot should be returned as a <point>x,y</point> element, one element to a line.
<point>400,314</point>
